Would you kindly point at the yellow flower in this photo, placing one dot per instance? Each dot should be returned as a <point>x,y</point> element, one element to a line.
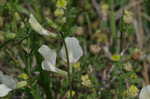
<point>115,57</point>
<point>132,91</point>
<point>61,3</point>
<point>70,92</point>
<point>86,81</point>
<point>23,76</point>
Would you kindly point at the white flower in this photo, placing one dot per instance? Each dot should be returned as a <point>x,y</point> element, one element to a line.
<point>145,93</point>
<point>74,50</point>
<point>4,90</point>
<point>38,28</point>
<point>7,84</point>
<point>49,62</point>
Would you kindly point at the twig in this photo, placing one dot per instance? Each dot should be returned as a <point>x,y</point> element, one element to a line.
<point>119,13</point>
<point>145,73</point>
<point>138,25</point>
<point>96,6</point>
<point>138,34</point>
<point>145,16</point>
<point>107,52</point>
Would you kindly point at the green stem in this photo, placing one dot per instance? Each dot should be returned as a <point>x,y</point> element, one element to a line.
<point>112,20</point>
<point>68,63</point>
<point>29,58</point>
<point>44,83</point>
<point>88,22</point>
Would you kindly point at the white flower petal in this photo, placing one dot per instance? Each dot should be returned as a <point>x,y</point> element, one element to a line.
<point>46,65</point>
<point>74,50</point>
<point>48,54</point>
<point>145,93</point>
<point>8,81</point>
<point>38,28</point>
<point>7,84</point>
<point>4,90</point>
<point>49,60</point>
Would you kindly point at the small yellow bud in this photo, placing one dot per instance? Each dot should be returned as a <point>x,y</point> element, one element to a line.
<point>77,66</point>
<point>23,76</point>
<point>70,92</point>
<point>115,57</point>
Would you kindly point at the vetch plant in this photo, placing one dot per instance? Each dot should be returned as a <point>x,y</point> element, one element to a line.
<point>74,52</point>
<point>70,53</point>
<point>49,63</point>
